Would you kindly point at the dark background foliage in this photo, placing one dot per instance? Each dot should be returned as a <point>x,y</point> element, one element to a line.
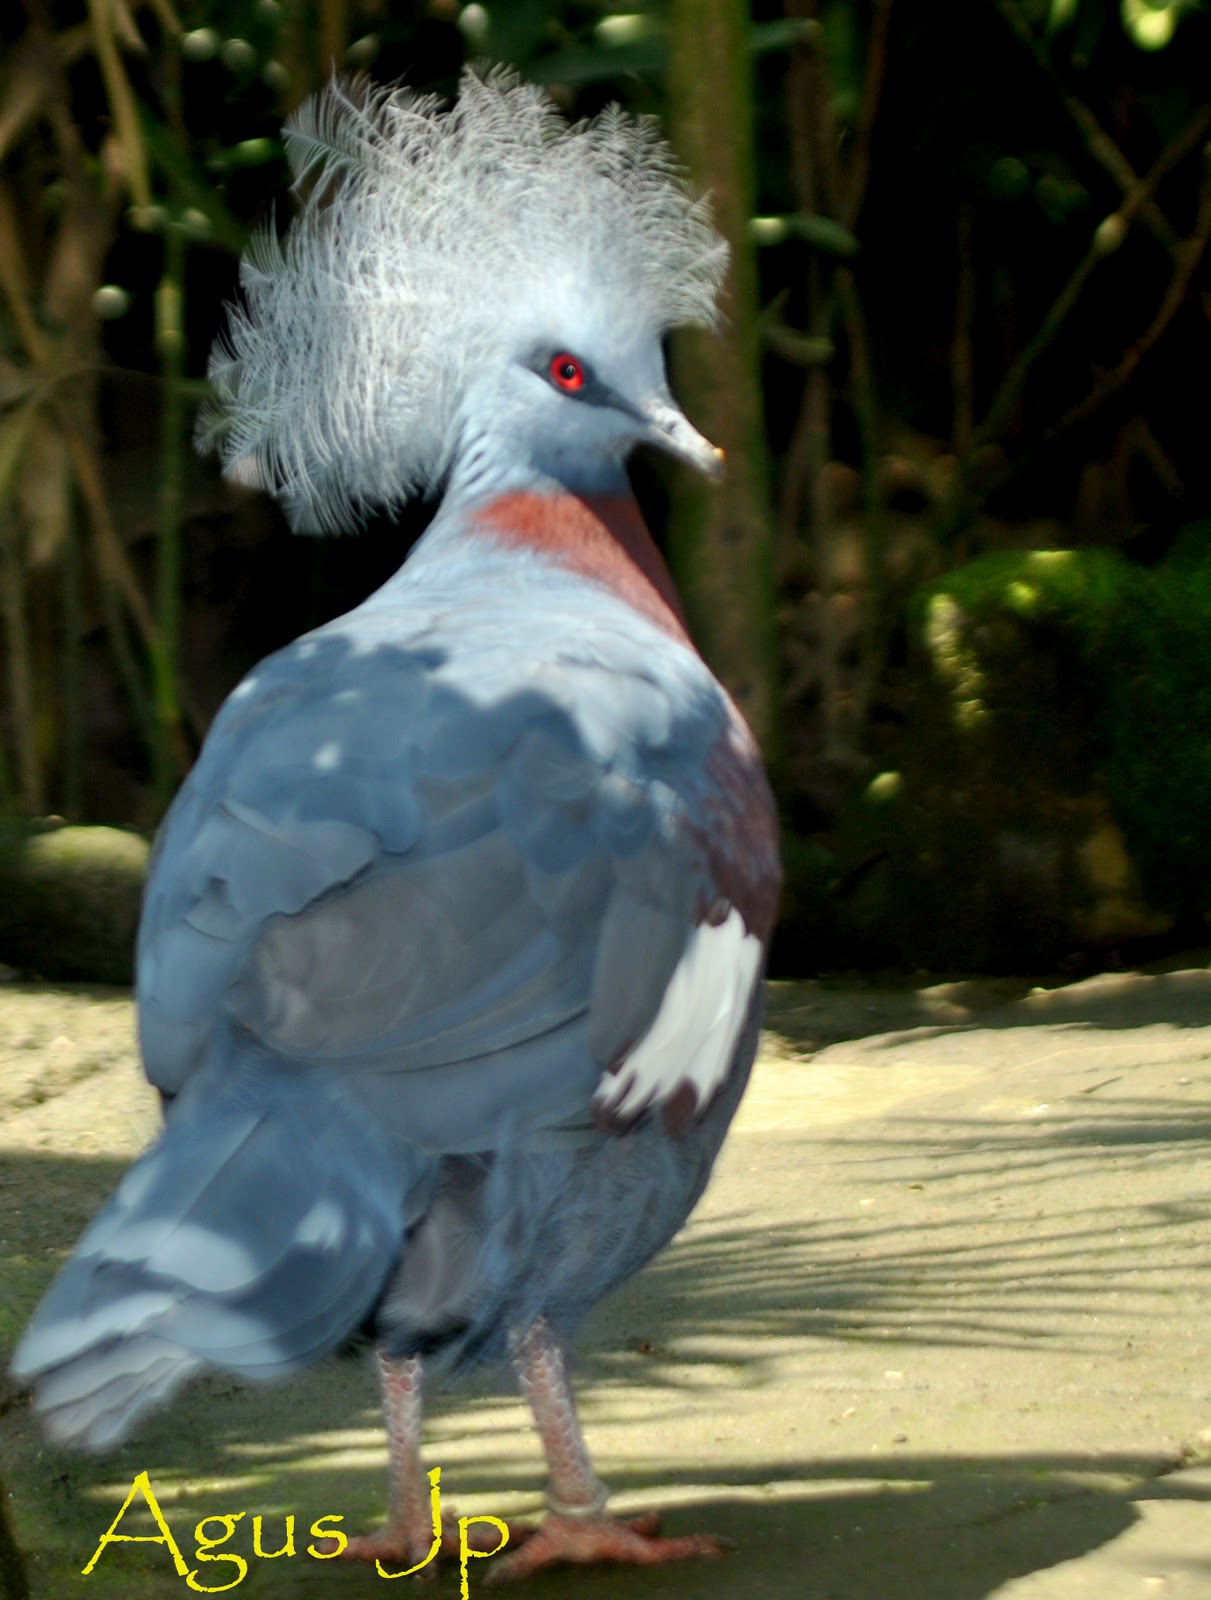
<point>981,297</point>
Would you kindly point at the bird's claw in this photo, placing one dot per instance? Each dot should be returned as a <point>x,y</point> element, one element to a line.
<point>397,1548</point>
<point>581,1541</point>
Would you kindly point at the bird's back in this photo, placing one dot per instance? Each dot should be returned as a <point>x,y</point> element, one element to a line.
<point>452,850</point>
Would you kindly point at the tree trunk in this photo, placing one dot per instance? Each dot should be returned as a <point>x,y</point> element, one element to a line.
<point>720,538</point>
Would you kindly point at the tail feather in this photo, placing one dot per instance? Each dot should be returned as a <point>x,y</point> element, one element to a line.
<point>96,1402</point>
<point>255,1236</point>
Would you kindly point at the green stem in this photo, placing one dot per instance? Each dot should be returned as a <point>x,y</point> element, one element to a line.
<point>170,344</point>
<point>21,683</point>
<point>73,632</point>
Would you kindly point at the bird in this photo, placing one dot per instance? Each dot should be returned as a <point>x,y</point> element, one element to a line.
<point>450,965</point>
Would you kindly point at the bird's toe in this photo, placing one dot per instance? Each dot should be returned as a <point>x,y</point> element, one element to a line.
<point>583,1541</point>
<point>398,1549</point>
<point>395,1548</point>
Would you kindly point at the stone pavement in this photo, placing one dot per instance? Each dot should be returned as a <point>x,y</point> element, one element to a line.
<point>939,1331</point>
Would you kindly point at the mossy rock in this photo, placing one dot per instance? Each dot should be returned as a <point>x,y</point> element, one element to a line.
<point>70,900</point>
<point>1154,732</point>
<point>1046,796</point>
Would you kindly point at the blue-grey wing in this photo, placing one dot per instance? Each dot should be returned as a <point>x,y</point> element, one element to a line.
<point>480,898</point>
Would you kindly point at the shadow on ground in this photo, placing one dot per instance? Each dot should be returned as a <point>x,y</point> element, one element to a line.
<point>810,1014</point>
<point>856,1362</point>
<point>708,1324</point>
<point>941,1528</point>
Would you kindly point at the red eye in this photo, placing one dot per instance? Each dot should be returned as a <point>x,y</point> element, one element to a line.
<point>566,372</point>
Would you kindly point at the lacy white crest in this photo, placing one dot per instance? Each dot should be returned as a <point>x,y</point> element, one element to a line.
<point>432,242</point>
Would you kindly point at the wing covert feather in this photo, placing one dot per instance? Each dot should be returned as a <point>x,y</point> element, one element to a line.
<point>503,882</point>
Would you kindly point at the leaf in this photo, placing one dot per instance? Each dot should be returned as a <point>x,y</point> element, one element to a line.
<point>191,186</point>
<point>587,64</point>
<point>823,233</point>
<point>650,54</point>
<point>1152,23</point>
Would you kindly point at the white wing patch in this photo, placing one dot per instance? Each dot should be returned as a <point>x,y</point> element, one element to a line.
<point>695,1031</point>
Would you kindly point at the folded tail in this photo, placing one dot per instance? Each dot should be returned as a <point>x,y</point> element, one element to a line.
<point>255,1236</point>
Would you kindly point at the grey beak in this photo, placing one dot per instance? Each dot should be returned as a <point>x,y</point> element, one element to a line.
<point>671,430</point>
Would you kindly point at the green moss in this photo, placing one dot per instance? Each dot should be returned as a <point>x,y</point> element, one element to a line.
<point>1051,646</point>
<point>69,899</point>
<point>1155,731</point>
<point>955,661</point>
<point>1081,589</point>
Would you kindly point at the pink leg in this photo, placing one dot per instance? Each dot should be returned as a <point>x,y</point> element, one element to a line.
<point>577,1529</point>
<point>407,1535</point>
<point>407,1539</point>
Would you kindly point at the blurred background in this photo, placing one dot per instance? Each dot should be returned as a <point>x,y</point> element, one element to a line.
<point>959,575</point>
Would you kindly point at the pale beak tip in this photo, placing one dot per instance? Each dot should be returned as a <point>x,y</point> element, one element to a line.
<point>669,429</point>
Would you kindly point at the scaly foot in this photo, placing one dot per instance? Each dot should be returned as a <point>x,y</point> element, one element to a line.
<point>398,1549</point>
<point>587,1539</point>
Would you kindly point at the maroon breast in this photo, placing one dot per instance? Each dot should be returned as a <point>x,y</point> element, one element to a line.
<point>602,537</point>
<point>738,831</point>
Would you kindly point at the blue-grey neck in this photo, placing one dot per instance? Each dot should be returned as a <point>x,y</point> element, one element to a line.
<point>490,464</point>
